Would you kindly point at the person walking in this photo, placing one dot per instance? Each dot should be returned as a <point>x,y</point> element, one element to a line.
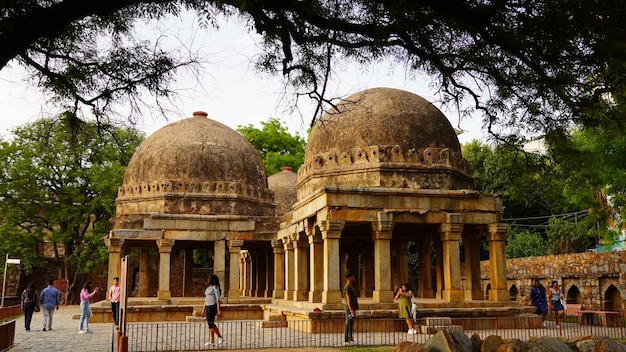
<point>404,296</point>
<point>50,299</point>
<point>85,311</point>
<point>30,302</point>
<point>351,307</point>
<point>114,297</point>
<point>555,302</point>
<point>538,297</point>
<point>212,308</point>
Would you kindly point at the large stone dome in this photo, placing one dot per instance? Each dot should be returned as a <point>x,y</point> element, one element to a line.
<point>196,166</point>
<point>384,137</point>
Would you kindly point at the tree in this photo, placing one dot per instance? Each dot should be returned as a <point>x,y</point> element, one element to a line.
<point>524,243</point>
<point>528,184</point>
<point>530,65</point>
<point>275,145</point>
<point>58,184</point>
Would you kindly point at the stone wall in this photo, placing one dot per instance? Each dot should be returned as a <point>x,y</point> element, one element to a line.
<point>595,280</point>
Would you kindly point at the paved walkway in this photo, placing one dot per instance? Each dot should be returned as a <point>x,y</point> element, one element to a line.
<point>64,335</point>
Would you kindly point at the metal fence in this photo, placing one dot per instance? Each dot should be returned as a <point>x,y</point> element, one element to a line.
<point>251,334</point>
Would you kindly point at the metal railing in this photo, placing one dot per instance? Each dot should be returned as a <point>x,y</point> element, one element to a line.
<point>252,334</point>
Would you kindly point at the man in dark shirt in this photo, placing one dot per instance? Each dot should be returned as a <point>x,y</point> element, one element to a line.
<point>352,305</point>
<point>538,297</point>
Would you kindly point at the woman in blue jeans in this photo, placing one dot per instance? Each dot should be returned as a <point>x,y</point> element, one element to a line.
<point>85,311</point>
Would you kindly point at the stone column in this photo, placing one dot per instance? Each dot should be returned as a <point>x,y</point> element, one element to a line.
<point>279,269</point>
<point>426,277</point>
<point>115,259</point>
<point>450,239</point>
<point>331,233</point>
<point>234,248</point>
<point>165,251</point>
<point>497,262</point>
<point>402,263</point>
<point>471,246</point>
<point>289,270</point>
<point>300,262</point>
<point>316,250</point>
<point>144,281</point>
<point>383,292</point>
<point>219,261</point>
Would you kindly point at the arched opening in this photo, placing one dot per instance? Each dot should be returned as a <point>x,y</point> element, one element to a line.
<point>612,299</point>
<point>513,292</point>
<point>573,295</point>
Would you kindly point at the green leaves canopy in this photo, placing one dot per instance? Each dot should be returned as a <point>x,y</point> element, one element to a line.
<point>276,146</point>
<point>58,184</point>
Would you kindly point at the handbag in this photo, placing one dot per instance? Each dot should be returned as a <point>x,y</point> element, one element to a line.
<point>37,309</point>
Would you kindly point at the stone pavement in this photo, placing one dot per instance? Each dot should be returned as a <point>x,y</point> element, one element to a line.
<point>64,335</point>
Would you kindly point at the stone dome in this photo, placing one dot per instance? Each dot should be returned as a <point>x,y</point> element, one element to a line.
<point>384,137</point>
<point>283,184</point>
<point>195,165</point>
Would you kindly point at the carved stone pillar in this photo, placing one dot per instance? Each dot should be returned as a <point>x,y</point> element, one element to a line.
<point>289,269</point>
<point>450,239</point>
<point>382,231</point>
<point>234,248</point>
<point>497,262</point>
<point>165,251</point>
<point>402,263</point>
<point>115,258</point>
<point>219,261</point>
<point>331,233</point>
<point>367,272</point>
<point>279,269</point>
<point>144,281</point>
<point>301,262</point>
<point>316,250</point>
<point>426,278</point>
<point>471,246</point>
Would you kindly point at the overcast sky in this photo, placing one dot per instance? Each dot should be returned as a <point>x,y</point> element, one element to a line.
<point>228,88</point>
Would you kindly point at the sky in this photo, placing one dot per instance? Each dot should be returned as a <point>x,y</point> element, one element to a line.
<point>226,87</point>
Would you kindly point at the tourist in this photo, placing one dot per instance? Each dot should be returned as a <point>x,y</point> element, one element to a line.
<point>555,303</point>
<point>29,304</point>
<point>538,297</point>
<point>114,297</point>
<point>212,308</point>
<point>404,296</point>
<point>352,305</point>
<point>85,311</point>
<point>50,299</point>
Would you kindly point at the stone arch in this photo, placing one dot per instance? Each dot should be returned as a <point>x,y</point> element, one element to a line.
<point>612,299</point>
<point>513,292</point>
<point>573,295</point>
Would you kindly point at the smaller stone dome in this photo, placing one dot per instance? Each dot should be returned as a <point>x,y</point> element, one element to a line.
<point>283,184</point>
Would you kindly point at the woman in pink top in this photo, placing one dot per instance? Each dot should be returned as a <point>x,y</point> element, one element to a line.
<point>85,311</point>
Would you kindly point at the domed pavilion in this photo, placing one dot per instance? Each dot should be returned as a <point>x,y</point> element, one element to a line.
<point>382,170</point>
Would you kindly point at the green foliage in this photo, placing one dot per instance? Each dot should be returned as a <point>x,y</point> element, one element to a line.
<point>276,146</point>
<point>529,184</point>
<point>58,183</point>
<point>203,258</point>
<point>524,243</point>
<point>567,237</point>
